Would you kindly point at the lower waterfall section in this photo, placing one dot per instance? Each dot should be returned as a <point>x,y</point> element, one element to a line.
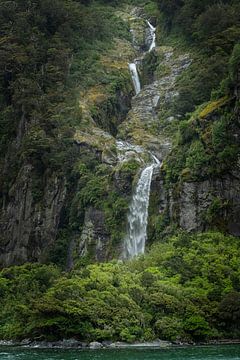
<point>135,77</point>
<point>134,243</point>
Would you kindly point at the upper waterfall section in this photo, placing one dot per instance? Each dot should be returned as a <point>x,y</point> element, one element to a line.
<point>152,36</point>
<point>135,77</point>
<point>150,39</point>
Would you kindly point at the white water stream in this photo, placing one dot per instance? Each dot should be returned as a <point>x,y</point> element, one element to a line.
<point>153,36</point>
<point>133,66</point>
<point>135,77</point>
<point>134,242</point>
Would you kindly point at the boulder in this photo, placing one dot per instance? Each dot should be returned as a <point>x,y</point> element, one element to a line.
<point>95,345</point>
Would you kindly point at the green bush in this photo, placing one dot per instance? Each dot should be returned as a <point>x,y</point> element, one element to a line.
<point>234,63</point>
<point>185,288</point>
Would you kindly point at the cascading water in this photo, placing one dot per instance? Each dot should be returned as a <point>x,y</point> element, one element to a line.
<point>153,36</point>
<point>134,243</point>
<point>133,66</point>
<point>135,77</point>
<point>135,240</point>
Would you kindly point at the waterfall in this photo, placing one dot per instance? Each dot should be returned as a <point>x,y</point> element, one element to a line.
<point>135,77</point>
<point>153,36</point>
<point>134,243</point>
<point>133,66</point>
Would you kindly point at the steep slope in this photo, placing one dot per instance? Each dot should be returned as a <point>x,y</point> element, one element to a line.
<point>66,184</point>
<point>68,196</point>
<point>66,105</point>
<point>199,185</point>
<point>77,165</point>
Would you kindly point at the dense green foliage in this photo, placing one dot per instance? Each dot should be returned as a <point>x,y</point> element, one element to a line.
<point>210,29</point>
<point>186,288</point>
<point>52,53</point>
<point>206,142</point>
<point>205,148</point>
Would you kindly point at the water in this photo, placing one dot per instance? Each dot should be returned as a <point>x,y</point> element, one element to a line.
<point>153,36</point>
<point>135,77</point>
<point>227,352</point>
<point>134,243</point>
<point>133,66</point>
<point>127,150</point>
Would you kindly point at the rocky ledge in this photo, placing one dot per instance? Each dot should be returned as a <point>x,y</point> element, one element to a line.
<point>95,345</point>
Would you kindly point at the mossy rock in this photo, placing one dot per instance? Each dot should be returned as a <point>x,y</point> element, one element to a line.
<point>138,27</point>
<point>213,106</point>
<point>119,56</point>
<point>95,137</point>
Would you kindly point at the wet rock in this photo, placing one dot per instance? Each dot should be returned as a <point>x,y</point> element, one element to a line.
<point>6,343</point>
<point>150,344</point>
<point>188,205</point>
<point>71,343</point>
<point>118,344</point>
<point>26,342</point>
<point>95,238</point>
<point>95,345</point>
<point>28,227</point>
<point>143,119</point>
<point>60,344</point>
<point>123,183</point>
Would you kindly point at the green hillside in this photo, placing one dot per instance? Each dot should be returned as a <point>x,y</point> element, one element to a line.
<point>74,139</point>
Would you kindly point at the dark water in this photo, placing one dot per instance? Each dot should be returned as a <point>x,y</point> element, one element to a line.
<point>228,352</point>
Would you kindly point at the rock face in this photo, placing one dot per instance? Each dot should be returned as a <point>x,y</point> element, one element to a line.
<point>195,202</point>
<point>199,206</point>
<point>142,123</point>
<point>31,215</point>
<point>30,227</point>
<point>27,228</point>
<point>95,238</point>
<point>95,345</point>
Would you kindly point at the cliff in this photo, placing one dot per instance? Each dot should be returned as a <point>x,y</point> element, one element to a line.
<point>119,170</point>
<point>68,171</point>
<point>205,197</point>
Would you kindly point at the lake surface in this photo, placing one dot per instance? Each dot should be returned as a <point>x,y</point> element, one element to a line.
<point>227,352</point>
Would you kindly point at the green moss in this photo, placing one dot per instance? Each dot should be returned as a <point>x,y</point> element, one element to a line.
<point>214,215</point>
<point>213,106</point>
<point>129,168</point>
<point>185,288</point>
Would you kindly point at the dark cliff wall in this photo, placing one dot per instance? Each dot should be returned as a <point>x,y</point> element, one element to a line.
<point>60,80</point>
<point>206,197</point>
<point>63,192</point>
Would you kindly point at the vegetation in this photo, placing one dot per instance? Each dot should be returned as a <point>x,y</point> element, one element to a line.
<point>205,148</point>
<point>63,94</point>
<point>210,31</point>
<point>205,143</point>
<point>187,288</point>
<point>55,79</point>
<point>40,78</point>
